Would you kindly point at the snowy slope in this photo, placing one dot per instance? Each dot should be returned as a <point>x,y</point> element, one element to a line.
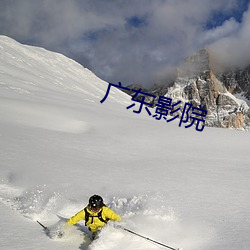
<point>59,145</point>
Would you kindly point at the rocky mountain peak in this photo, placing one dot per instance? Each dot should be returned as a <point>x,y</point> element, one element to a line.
<point>220,93</point>
<point>197,64</point>
<point>196,83</point>
<point>237,81</point>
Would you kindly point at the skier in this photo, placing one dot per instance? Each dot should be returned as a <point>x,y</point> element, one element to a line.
<point>95,214</point>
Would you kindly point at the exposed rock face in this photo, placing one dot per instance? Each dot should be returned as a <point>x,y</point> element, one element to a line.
<point>197,84</point>
<point>237,81</point>
<point>219,93</point>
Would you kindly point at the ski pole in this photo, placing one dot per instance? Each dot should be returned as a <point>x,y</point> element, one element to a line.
<point>45,228</point>
<point>146,238</point>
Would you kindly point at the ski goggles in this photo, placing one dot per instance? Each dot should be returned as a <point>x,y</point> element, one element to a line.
<point>94,208</point>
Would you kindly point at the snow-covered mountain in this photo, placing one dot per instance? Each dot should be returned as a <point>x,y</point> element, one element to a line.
<point>196,83</point>
<point>224,94</point>
<point>59,145</point>
<point>237,82</point>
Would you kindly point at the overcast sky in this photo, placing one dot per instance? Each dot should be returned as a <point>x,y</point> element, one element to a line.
<point>132,41</point>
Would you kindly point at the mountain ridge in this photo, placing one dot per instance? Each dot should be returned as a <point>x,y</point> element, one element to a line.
<point>201,85</point>
<point>224,94</point>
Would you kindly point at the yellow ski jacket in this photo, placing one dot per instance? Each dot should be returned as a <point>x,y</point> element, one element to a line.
<point>94,223</point>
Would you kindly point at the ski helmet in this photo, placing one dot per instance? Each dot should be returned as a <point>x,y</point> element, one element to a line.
<point>95,202</point>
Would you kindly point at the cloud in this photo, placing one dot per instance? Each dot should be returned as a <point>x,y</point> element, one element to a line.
<point>233,49</point>
<point>130,41</point>
<point>228,28</point>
